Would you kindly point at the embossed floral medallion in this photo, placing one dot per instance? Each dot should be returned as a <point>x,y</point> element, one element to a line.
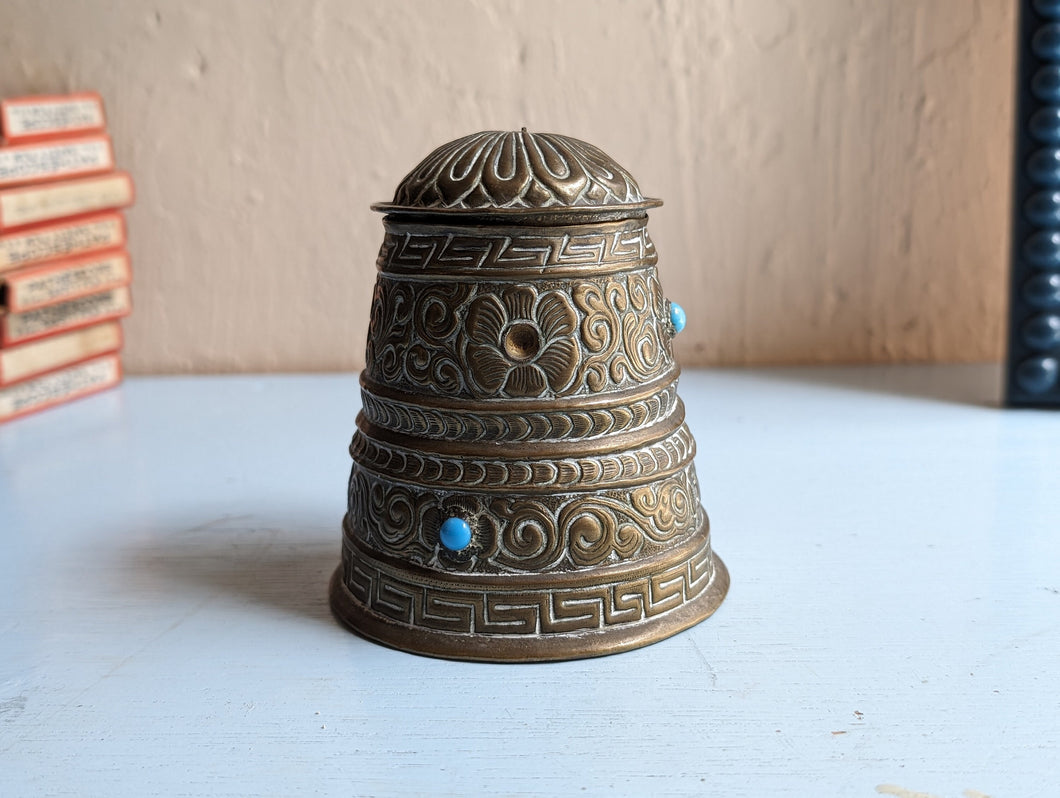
<point>523,485</point>
<point>520,343</point>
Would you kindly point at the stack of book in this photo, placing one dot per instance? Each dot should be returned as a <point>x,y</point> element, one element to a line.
<point>64,270</point>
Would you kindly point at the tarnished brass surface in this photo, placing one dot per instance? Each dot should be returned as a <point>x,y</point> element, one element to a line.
<point>520,378</point>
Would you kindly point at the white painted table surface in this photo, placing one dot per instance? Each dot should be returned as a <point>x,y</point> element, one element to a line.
<point>893,623</point>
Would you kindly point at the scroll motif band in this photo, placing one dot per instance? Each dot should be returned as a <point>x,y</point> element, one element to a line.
<point>525,532</point>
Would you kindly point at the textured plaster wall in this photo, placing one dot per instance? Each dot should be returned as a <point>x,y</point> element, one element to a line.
<point>835,172</point>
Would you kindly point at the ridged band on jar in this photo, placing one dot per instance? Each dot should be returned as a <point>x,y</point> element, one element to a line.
<point>589,419</point>
<point>622,460</point>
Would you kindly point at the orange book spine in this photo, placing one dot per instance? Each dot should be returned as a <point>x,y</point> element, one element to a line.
<point>49,241</point>
<point>54,352</point>
<point>40,162</point>
<point>60,281</point>
<point>31,205</point>
<point>33,118</point>
<point>60,386</point>
<point>77,313</point>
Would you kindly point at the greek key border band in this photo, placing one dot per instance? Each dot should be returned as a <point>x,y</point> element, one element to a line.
<point>596,599</point>
<point>413,249</point>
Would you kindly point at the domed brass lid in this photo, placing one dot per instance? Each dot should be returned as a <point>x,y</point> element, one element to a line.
<point>537,177</point>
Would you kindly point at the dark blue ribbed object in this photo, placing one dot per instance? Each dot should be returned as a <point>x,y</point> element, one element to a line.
<point>1032,374</point>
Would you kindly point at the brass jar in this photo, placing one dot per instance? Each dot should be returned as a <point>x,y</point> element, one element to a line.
<point>523,486</point>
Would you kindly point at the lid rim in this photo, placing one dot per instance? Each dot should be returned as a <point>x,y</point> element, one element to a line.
<point>579,212</point>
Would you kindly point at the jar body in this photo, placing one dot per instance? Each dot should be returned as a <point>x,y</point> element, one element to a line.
<point>520,381</point>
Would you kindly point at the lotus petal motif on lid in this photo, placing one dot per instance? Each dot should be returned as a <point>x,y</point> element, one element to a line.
<point>513,170</point>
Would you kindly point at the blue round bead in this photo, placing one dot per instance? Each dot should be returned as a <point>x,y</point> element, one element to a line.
<point>1046,42</point>
<point>1043,209</point>
<point>1043,249</point>
<point>677,317</point>
<point>1043,167</point>
<point>1037,374</point>
<point>1047,8</point>
<point>456,534</point>
<point>1042,331</point>
<point>1043,291</point>
<point>1044,125</point>
<point>1045,85</point>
